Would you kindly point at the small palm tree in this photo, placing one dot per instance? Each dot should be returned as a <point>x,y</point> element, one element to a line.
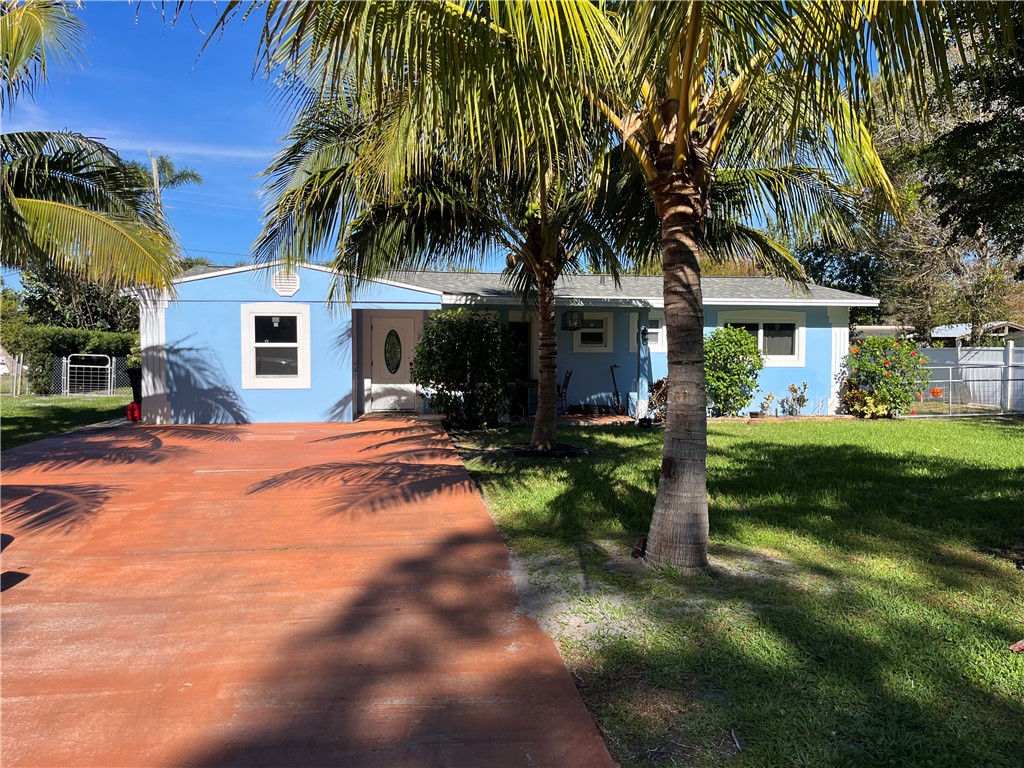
<point>441,218</point>
<point>68,202</point>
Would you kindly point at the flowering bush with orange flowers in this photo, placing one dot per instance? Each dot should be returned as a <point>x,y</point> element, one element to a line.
<point>882,376</point>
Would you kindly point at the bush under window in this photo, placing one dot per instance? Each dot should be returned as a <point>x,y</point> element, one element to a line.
<point>732,362</point>
<point>464,362</point>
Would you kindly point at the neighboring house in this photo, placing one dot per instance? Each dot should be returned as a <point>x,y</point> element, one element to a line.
<point>259,344</point>
<point>863,331</point>
<point>955,335</point>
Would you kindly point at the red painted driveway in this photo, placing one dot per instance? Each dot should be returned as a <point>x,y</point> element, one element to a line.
<point>268,595</point>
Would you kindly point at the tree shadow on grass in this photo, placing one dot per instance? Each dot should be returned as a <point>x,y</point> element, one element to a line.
<point>802,681</point>
<point>861,502</point>
<point>426,665</point>
<point>863,639</point>
<point>597,495</point>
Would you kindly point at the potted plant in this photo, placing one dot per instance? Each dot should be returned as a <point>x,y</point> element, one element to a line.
<point>134,372</point>
<point>766,407</point>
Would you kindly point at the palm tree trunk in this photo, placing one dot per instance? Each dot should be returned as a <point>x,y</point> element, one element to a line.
<point>544,425</point>
<point>679,527</point>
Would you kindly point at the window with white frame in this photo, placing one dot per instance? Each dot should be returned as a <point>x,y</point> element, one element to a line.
<point>657,341</point>
<point>780,335</point>
<point>275,346</point>
<point>595,335</point>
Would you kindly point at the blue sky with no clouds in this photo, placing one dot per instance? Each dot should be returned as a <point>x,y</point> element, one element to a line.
<point>145,87</point>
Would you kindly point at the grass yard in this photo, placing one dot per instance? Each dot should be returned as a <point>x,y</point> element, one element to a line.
<point>28,418</point>
<point>861,601</point>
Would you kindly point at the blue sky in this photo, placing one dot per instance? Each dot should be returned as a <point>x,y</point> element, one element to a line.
<point>145,87</point>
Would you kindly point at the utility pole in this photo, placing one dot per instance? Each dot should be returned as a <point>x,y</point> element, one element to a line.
<point>156,180</point>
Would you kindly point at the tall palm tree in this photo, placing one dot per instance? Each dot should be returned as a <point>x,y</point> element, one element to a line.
<point>687,87</point>
<point>68,202</point>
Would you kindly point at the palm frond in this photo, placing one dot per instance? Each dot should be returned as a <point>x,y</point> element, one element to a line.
<point>71,203</point>
<point>99,246</point>
<point>35,34</point>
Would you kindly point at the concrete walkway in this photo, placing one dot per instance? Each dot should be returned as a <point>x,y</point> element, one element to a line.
<point>268,595</point>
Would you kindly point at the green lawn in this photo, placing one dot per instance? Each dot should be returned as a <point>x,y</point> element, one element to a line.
<point>859,609</point>
<point>28,418</point>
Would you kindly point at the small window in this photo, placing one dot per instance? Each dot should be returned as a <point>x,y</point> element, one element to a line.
<point>276,345</point>
<point>275,339</point>
<point>595,335</point>
<point>657,336</point>
<point>779,335</point>
<point>779,338</point>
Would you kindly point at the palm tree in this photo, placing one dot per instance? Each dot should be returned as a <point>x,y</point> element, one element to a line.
<point>687,87</point>
<point>550,226</point>
<point>546,223</point>
<point>68,202</point>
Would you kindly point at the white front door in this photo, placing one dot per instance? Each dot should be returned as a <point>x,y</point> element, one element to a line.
<point>391,340</point>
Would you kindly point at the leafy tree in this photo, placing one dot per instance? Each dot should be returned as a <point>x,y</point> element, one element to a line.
<point>53,299</point>
<point>12,319</point>
<point>68,202</point>
<point>972,162</point>
<point>464,361</point>
<point>687,88</point>
<point>168,175</point>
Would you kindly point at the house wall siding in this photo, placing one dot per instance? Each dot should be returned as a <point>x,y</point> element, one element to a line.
<point>591,381</point>
<point>200,349</point>
<point>816,369</point>
<point>203,349</point>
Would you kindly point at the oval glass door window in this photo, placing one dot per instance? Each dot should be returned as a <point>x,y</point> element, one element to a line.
<point>392,351</point>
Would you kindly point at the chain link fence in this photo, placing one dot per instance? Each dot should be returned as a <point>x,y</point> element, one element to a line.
<point>69,376</point>
<point>973,381</point>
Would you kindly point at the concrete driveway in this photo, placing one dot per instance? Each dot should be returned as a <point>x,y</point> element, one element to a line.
<point>268,595</point>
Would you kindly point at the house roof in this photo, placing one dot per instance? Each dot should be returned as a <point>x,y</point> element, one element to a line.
<point>478,287</point>
<point>577,290</point>
<point>963,330</point>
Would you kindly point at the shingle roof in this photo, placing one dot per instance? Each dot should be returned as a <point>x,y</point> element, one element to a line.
<point>490,287</point>
<point>472,287</point>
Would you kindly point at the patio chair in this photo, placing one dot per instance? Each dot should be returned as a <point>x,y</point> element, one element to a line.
<point>563,392</point>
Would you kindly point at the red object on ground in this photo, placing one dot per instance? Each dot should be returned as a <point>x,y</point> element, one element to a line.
<point>1018,647</point>
<point>134,412</point>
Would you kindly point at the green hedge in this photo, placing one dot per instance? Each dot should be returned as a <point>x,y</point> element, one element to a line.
<point>43,343</point>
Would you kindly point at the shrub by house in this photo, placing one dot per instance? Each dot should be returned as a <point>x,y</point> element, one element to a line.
<point>883,376</point>
<point>464,362</point>
<point>732,362</point>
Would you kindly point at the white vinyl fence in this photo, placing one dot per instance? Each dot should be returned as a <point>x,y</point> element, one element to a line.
<point>967,380</point>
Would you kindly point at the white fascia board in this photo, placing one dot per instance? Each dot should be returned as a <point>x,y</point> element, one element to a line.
<point>316,267</point>
<point>250,268</point>
<point>860,301</point>
<point>641,303</point>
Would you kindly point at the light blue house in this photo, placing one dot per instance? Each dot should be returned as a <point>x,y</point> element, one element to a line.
<point>259,344</point>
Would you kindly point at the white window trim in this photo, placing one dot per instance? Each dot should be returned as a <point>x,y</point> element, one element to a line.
<point>770,316</point>
<point>249,378</point>
<point>634,321</point>
<point>609,334</point>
